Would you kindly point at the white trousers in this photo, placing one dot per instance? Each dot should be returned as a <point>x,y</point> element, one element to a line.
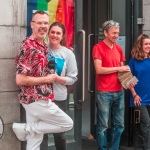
<point>44,117</point>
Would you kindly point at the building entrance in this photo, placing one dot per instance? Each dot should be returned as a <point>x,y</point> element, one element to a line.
<point>83,20</point>
<point>94,14</point>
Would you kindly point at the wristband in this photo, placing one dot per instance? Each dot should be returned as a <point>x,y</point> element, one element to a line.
<point>134,96</point>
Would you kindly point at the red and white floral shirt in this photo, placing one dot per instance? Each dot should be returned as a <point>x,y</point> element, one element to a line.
<point>32,61</point>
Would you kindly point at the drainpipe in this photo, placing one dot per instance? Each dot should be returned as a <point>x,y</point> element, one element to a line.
<point>138,20</point>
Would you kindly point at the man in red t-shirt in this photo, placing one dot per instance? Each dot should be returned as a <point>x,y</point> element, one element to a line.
<point>108,61</point>
<point>35,83</point>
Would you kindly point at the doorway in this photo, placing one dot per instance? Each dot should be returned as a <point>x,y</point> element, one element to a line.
<point>94,14</point>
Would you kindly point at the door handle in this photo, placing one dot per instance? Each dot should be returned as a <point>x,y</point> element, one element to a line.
<point>89,60</point>
<point>83,65</point>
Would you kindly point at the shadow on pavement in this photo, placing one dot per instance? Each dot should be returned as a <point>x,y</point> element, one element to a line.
<point>92,145</point>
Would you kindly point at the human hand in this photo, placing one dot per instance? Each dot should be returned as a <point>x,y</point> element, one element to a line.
<point>137,101</point>
<point>51,78</point>
<point>124,68</point>
<point>131,85</point>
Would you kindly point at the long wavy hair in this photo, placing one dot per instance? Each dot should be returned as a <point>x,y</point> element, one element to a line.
<point>63,41</point>
<point>137,50</point>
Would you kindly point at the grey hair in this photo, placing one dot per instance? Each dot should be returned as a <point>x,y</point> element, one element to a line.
<point>110,23</point>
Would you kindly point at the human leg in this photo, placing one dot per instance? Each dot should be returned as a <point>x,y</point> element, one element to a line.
<point>51,119</point>
<point>33,140</point>
<point>60,141</point>
<point>144,128</point>
<point>138,139</point>
<point>59,138</point>
<point>117,119</point>
<point>103,108</point>
<point>46,117</point>
<point>44,144</point>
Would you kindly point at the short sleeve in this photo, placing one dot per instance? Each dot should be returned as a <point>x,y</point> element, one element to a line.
<point>131,65</point>
<point>23,62</point>
<point>96,54</point>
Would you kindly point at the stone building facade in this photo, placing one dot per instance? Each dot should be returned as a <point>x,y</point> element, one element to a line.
<point>12,31</point>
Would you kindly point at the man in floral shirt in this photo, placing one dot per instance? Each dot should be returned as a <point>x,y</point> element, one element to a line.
<point>35,83</point>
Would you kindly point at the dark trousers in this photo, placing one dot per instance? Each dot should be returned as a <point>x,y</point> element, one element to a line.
<point>59,138</point>
<point>142,138</point>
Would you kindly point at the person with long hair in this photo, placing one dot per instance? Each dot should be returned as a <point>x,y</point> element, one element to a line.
<point>66,70</point>
<point>140,93</point>
<point>35,83</point>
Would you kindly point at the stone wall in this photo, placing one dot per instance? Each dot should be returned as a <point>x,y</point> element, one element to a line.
<point>146,14</point>
<point>12,31</point>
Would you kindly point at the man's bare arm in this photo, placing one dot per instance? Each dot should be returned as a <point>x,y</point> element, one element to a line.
<point>108,70</point>
<point>23,79</point>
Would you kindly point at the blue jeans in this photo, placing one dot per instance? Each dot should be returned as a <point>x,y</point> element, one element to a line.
<point>109,103</point>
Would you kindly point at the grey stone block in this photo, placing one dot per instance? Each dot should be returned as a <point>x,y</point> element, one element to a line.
<point>7,75</point>
<point>11,38</point>
<point>9,107</point>
<point>9,141</point>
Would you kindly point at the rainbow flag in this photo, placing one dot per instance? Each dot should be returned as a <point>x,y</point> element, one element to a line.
<point>59,10</point>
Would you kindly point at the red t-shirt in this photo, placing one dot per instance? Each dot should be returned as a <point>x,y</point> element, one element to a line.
<point>32,61</point>
<point>110,58</point>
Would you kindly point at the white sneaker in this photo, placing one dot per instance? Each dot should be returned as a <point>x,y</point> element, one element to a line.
<point>19,130</point>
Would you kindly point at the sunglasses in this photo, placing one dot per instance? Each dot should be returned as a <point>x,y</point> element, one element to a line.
<point>110,24</point>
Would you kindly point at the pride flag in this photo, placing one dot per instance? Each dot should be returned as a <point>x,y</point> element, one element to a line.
<point>59,10</point>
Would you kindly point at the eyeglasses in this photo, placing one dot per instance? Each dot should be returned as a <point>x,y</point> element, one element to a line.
<point>40,23</point>
<point>110,24</point>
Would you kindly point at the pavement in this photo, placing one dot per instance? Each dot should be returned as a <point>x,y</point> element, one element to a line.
<point>92,145</point>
